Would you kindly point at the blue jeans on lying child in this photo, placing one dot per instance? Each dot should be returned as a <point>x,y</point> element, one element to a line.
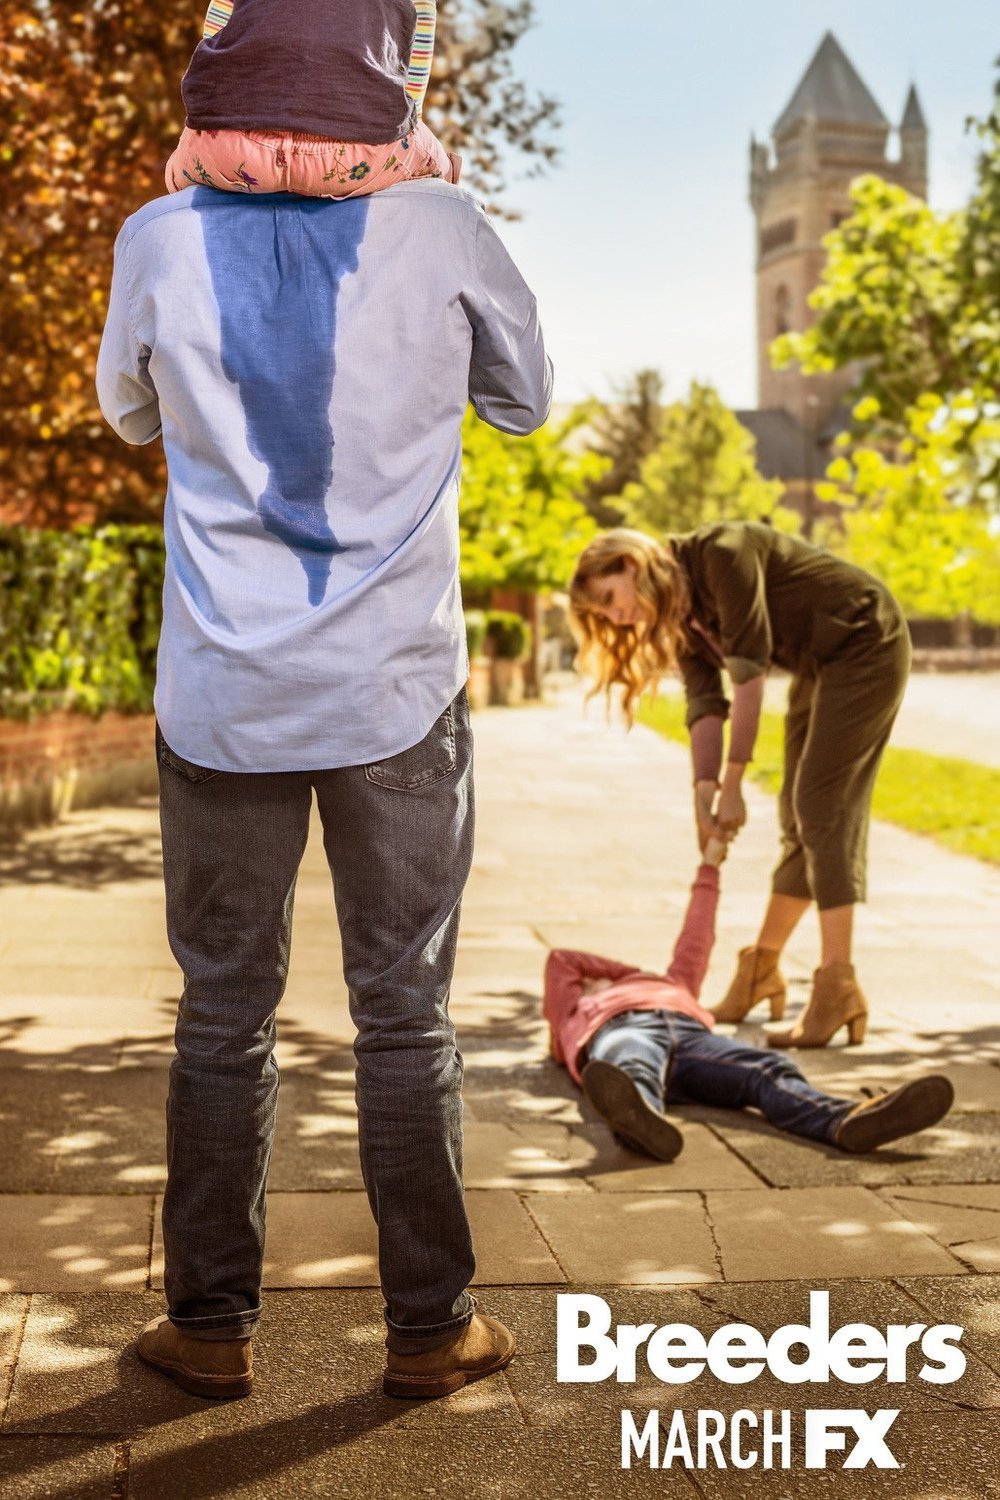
<point>674,1059</point>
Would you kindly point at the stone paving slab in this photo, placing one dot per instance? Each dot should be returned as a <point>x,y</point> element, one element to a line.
<point>13,1310</point>
<point>964,1219</point>
<point>64,986</point>
<point>43,1048</point>
<point>964,1033</point>
<point>56,1243</point>
<point>146,947</point>
<point>59,1468</point>
<point>27,1132</point>
<point>948,1456</point>
<point>328,1240</point>
<point>316,1137</point>
<point>326,1455</point>
<point>317,1355</point>
<point>770,1304</point>
<point>767,1305</point>
<point>963,1148</point>
<point>972,1301</point>
<point>596,1408</point>
<point>629,1238</point>
<point>500,1156</point>
<point>976,1084</point>
<point>82,1132</point>
<point>892,981</point>
<point>705,1162</point>
<point>810,1233</point>
<point>516,1084</point>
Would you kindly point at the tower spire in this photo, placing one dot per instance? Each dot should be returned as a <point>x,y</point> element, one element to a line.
<point>831,90</point>
<point>913,114</point>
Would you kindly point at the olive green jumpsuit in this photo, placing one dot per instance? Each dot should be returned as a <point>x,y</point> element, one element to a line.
<point>765,598</point>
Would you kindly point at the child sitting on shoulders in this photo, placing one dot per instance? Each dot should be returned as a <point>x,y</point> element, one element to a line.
<point>319,97</point>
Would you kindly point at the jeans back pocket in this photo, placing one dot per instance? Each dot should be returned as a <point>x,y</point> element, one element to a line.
<point>431,759</point>
<point>185,768</point>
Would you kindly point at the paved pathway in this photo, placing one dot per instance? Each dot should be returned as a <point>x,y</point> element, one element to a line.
<point>583,839</point>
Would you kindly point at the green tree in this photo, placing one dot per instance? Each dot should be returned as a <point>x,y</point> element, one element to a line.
<point>915,513</point>
<point>979,251</point>
<point>624,433</point>
<point>477,104</point>
<point>703,468</point>
<point>911,299</point>
<point>890,299</point>
<point>521,524</point>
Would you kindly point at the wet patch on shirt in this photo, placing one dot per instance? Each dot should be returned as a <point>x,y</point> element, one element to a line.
<point>277,263</point>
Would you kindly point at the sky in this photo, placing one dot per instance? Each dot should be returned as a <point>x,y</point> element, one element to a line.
<point>639,245</point>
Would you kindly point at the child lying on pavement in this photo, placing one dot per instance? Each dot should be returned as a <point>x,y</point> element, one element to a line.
<point>638,1041</point>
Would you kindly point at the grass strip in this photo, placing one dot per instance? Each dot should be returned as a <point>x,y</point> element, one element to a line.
<point>956,802</point>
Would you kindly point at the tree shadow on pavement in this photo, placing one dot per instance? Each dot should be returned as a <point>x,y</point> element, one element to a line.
<point>86,854</point>
<point>182,1444</point>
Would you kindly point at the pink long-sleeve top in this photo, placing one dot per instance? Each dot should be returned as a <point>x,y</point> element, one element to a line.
<point>575,1016</point>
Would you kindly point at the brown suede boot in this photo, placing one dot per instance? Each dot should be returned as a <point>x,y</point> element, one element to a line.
<point>905,1110</point>
<point>201,1366</point>
<point>757,978</point>
<point>480,1348</point>
<point>836,1000</point>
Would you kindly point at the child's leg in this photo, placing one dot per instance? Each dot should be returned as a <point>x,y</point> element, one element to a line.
<point>624,1079</point>
<point>264,161</point>
<point>233,160</point>
<point>640,1043</point>
<point>218,14</point>
<point>321,168</point>
<point>422,52</point>
<point>710,1069</point>
<point>431,159</point>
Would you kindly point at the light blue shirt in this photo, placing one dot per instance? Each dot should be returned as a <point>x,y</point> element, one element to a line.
<point>308,363</point>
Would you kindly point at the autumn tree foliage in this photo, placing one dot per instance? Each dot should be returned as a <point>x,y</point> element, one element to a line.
<point>90,111</point>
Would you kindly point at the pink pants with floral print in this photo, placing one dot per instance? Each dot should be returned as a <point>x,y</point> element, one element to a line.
<point>265,161</point>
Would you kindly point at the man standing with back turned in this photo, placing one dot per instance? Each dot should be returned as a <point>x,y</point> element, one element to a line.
<point>308,363</point>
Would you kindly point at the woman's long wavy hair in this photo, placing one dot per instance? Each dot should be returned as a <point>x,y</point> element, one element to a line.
<point>632,657</point>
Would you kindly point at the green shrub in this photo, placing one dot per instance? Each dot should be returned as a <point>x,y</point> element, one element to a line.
<point>475,631</point>
<point>508,634</point>
<point>79,618</point>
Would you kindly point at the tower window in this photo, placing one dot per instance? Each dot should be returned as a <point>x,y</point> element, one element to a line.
<point>782,311</point>
<point>776,236</point>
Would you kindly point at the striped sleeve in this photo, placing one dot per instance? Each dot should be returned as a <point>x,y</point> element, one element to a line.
<point>422,52</point>
<point>219,12</point>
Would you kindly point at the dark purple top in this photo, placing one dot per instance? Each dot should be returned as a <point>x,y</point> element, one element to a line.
<point>326,67</point>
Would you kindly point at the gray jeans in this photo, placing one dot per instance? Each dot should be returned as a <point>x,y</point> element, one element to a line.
<point>398,838</point>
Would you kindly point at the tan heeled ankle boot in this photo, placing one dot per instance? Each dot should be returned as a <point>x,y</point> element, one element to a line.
<point>757,978</point>
<point>836,1000</point>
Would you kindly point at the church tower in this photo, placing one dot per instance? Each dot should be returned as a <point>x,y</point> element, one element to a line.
<point>830,132</point>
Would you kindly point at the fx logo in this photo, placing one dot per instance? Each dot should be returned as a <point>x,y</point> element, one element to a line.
<point>826,1432</point>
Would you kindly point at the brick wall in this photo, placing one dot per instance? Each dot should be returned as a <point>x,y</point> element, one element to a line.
<point>63,760</point>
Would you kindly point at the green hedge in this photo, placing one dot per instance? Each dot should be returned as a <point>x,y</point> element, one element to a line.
<point>475,632</point>
<point>79,618</point>
<point>508,634</point>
